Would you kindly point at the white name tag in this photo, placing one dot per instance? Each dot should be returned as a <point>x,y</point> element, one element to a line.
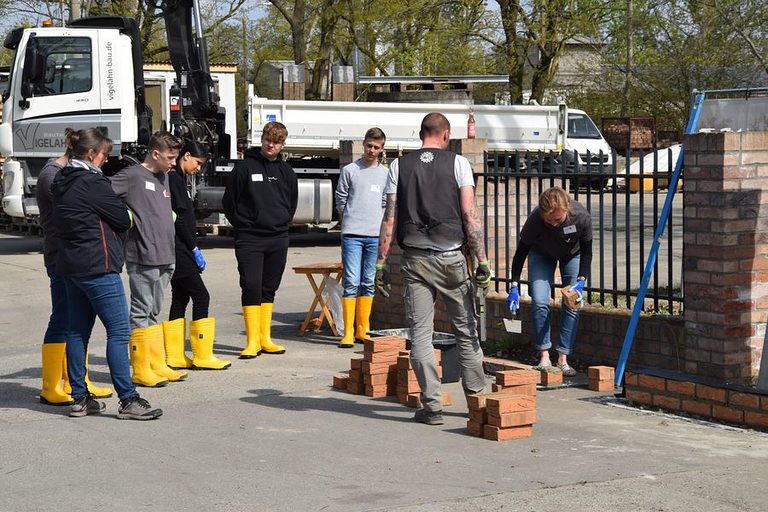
<point>569,229</point>
<point>257,177</point>
<point>149,185</point>
<point>376,188</point>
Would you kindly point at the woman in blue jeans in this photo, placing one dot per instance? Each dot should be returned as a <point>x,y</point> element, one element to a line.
<point>92,222</point>
<point>360,203</point>
<point>557,232</point>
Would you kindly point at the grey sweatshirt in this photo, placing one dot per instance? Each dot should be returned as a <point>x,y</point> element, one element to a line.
<point>151,240</point>
<point>360,198</point>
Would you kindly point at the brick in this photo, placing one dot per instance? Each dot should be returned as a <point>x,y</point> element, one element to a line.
<point>356,364</point>
<point>551,378</point>
<point>744,400</point>
<point>650,382</point>
<point>764,403</point>
<point>510,403</point>
<point>379,391</point>
<point>438,356</point>
<point>523,389</point>
<point>356,388</point>
<point>406,375</point>
<point>356,375</point>
<point>517,377</point>
<point>601,372</point>
<point>478,401</point>
<point>340,381</point>
<point>697,407</point>
<point>727,414</point>
<point>384,344</point>
<point>630,379</point>
<point>505,434</point>
<point>404,363</point>
<point>408,387</point>
<point>600,385</point>
<point>380,379</point>
<point>756,419</point>
<point>374,368</point>
<point>681,388</point>
<point>710,393</point>
<point>638,397</point>
<point>666,402</point>
<point>413,400</point>
<point>388,357</point>
<point>447,399</point>
<point>478,416</point>
<point>474,428</point>
<point>512,419</point>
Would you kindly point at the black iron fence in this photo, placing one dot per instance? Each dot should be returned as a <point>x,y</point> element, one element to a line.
<point>624,194</point>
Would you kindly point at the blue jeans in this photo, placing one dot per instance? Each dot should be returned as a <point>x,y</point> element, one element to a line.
<point>57,322</point>
<point>103,296</point>
<point>541,276</point>
<point>358,254</point>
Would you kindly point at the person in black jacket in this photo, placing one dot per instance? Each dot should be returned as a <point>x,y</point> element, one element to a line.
<point>92,222</point>
<point>260,201</point>
<point>186,282</point>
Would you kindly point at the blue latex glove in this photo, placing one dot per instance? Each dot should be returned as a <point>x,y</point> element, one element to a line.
<point>579,288</point>
<point>198,254</point>
<point>513,299</point>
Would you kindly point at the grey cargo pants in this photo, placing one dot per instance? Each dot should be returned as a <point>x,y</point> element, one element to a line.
<point>427,273</point>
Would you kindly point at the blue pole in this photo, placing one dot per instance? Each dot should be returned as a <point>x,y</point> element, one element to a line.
<point>665,212</point>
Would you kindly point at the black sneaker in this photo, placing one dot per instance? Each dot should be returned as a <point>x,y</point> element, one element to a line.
<point>428,417</point>
<point>85,405</point>
<point>136,408</point>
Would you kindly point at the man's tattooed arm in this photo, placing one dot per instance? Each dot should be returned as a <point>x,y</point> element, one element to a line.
<point>473,224</point>
<point>388,223</point>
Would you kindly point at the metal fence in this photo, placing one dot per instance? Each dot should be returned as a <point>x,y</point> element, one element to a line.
<point>624,196</point>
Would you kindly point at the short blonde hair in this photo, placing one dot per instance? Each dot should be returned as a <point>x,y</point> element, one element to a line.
<point>554,199</point>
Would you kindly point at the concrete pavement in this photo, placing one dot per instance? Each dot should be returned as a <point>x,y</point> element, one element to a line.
<point>270,435</point>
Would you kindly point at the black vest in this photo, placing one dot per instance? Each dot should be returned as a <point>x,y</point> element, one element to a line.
<point>428,212</point>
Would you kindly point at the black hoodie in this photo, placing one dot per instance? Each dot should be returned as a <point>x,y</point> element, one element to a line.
<point>91,221</point>
<point>261,196</point>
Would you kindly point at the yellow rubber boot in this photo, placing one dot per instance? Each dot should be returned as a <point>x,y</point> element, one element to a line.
<point>364,306</point>
<point>252,317</point>
<point>201,334</point>
<point>348,308</point>
<point>140,354</point>
<point>266,331</point>
<point>173,334</point>
<point>93,389</point>
<point>53,393</point>
<point>157,355</point>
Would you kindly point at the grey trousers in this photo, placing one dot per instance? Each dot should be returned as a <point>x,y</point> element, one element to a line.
<point>426,274</point>
<point>147,284</point>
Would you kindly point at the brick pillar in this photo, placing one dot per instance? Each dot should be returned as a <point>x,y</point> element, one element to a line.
<point>725,249</point>
<point>349,151</point>
<point>293,82</point>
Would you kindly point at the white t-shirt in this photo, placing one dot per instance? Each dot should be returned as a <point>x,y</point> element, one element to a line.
<point>461,170</point>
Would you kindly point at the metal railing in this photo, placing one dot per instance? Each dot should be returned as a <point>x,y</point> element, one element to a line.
<point>624,197</point>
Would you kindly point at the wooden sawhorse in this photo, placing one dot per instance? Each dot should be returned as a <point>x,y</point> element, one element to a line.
<point>327,271</point>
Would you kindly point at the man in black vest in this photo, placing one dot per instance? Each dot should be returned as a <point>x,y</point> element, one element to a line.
<point>430,208</point>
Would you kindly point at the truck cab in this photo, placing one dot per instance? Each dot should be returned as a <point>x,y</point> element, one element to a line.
<point>585,147</point>
<point>60,78</point>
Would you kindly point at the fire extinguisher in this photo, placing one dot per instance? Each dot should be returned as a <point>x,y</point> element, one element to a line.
<point>471,124</point>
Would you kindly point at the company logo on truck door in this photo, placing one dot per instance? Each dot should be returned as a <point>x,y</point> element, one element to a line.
<point>110,73</point>
<point>30,139</point>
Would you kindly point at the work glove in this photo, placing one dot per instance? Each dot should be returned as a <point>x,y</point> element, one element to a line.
<point>573,296</point>
<point>198,254</point>
<point>381,282</point>
<point>513,299</point>
<point>483,274</point>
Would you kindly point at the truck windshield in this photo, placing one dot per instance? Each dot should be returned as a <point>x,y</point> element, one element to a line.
<point>580,126</point>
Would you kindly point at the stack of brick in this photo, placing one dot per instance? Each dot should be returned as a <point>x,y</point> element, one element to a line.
<point>501,416</point>
<point>601,378</point>
<point>408,389</point>
<point>517,382</point>
<point>355,383</point>
<point>379,365</point>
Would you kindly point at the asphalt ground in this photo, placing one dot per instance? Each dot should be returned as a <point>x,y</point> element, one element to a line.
<point>270,434</point>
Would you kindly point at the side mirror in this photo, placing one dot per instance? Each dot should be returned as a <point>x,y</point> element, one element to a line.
<point>6,140</point>
<point>34,70</point>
